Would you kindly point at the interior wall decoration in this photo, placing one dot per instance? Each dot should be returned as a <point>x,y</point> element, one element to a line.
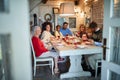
<point>47,17</point>
<point>87,21</point>
<point>72,22</point>
<point>55,10</point>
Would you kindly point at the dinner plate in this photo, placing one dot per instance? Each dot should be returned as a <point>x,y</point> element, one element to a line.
<point>81,46</point>
<point>60,44</point>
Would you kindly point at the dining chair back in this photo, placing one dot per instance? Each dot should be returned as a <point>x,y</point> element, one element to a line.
<point>43,61</point>
<point>97,65</point>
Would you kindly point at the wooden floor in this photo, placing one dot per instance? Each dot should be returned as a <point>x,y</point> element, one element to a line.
<point>44,73</point>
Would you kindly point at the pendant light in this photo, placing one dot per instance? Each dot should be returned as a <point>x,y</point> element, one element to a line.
<point>66,9</point>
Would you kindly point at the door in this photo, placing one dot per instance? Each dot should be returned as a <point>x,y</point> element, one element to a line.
<point>5,51</point>
<point>111,33</point>
<point>15,55</point>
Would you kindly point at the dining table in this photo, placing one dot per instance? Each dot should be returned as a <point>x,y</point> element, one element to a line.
<point>75,52</point>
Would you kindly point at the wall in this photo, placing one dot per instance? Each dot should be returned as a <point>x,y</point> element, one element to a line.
<point>16,24</point>
<point>93,10</point>
<point>97,12</point>
<point>83,11</point>
<point>34,8</point>
<point>42,9</point>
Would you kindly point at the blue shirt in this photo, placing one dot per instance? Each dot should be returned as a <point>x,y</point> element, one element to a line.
<point>65,32</point>
<point>98,43</point>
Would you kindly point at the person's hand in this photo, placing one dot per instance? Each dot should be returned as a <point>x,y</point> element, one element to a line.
<point>88,43</point>
<point>91,41</point>
<point>52,38</point>
<point>49,46</point>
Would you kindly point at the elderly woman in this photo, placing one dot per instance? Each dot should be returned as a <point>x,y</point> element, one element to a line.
<point>40,49</point>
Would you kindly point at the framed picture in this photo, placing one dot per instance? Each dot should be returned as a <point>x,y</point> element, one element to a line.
<point>72,22</point>
<point>55,10</point>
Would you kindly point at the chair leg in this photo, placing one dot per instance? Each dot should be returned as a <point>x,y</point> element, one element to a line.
<point>52,67</point>
<point>96,69</point>
<point>34,68</point>
<point>50,62</point>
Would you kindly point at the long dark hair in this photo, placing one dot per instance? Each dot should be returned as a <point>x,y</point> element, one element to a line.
<point>44,26</point>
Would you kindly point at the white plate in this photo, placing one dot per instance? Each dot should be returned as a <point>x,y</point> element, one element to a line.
<point>60,44</point>
<point>81,46</point>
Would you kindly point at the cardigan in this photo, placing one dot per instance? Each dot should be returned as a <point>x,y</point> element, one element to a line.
<point>38,45</point>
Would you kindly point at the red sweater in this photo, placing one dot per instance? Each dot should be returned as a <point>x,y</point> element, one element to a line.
<point>38,45</point>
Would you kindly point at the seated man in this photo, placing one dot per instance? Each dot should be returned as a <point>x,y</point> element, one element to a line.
<point>97,37</point>
<point>40,49</point>
<point>64,30</point>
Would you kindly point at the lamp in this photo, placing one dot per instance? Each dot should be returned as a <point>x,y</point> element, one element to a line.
<point>66,9</point>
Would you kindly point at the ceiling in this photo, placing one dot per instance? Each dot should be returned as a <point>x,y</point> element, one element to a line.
<point>44,1</point>
<point>61,0</point>
<point>34,3</point>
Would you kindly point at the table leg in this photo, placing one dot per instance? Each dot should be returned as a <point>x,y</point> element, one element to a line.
<point>75,68</point>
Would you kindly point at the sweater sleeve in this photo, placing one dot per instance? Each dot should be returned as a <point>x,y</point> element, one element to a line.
<point>39,47</point>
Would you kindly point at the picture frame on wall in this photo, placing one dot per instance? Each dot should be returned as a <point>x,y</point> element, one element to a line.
<point>72,22</point>
<point>55,10</point>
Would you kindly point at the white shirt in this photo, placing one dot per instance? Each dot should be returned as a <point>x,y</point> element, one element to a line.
<point>45,37</point>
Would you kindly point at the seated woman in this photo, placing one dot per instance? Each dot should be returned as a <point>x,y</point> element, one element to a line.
<point>40,50</point>
<point>58,34</point>
<point>85,39</point>
<point>46,35</point>
<point>82,30</point>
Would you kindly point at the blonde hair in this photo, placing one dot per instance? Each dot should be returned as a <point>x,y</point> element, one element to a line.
<point>82,25</point>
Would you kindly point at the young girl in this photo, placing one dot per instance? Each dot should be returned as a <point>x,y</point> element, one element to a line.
<point>58,34</point>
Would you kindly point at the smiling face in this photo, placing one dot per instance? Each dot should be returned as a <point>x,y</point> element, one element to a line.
<point>58,27</point>
<point>37,31</point>
<point>47,27</point>
<point>84,37</point>
<point>65,26</point>
<point>89,32</point>
<point>82,28</point>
